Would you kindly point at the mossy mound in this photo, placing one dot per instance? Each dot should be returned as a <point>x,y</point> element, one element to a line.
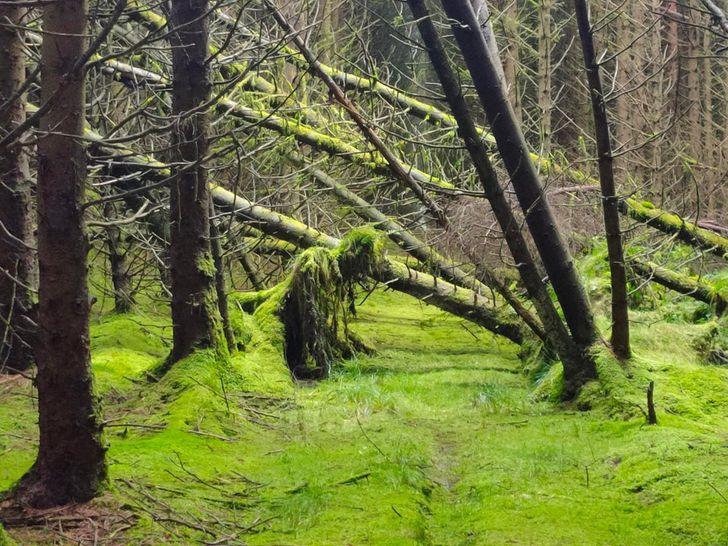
<point>713,344</point>
<point>307,315</point>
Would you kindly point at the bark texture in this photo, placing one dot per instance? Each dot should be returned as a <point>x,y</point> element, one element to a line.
<point>514,151</point>
<point>220,284</point>
<point>195,316</point>
<point>556,334</point>
<point>71,457</point>
<point>16,255</point>
<point>118,264</point>
<point>610,208</point>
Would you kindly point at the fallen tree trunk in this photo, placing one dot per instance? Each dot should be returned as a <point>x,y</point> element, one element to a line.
<point>693,287</point>
<point>315,139</point>
<point>448,297</point>
<point>673,224</point>
<point>427,255</point>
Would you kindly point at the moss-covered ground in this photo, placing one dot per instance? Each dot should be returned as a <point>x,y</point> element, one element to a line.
<point>438,438</point>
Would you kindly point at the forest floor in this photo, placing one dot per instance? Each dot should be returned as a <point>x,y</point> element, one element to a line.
<point>437,439</point>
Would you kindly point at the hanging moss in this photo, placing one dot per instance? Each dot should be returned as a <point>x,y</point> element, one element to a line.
<point>307,315</point>
<point>319,300</point>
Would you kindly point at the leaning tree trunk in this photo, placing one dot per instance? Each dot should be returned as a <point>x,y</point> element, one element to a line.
<point>194,307</point>
<point>657,218</point>
<point>545,73</point>
<point>439,265</point>
<point>16,253</point>
<point>514,151</point>
<point>459,301</point>
<point>70,466</point>
<point>557,334</point>
<point>610,202</point>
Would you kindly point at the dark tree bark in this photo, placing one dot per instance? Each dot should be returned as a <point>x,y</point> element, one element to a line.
<point>220,285</point>
<point>610,202</point>
<point>651,414</point>
<point>71,456</point>
<point>194,304</point>
<point>524,176</point>
<point>118,264</point>
<point>16,255</point>
<point>574,365</point>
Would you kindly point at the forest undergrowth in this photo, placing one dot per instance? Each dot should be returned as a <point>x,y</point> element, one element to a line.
<point>437,438</point>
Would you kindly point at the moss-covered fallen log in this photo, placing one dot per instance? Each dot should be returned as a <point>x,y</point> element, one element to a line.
<point>434,261</point>
<point>673,224</point>
<point>315,301</point>
<point>694,287</point>
<point>459,301</point>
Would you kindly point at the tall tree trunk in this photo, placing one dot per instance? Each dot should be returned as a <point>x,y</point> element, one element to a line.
<point>71,456</point>
<point>16,255</point>
<point>610,202</point>
<point>511,54</point>
<point>625,70</point>
<point>694,105</point>
<point>514,151</point>
<point>483,15</point>
<point>195,316</point>
<point>708,130</point>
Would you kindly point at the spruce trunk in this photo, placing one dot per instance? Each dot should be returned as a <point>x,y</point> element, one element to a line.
<point>610,208</point>
<point>16,255</point>
<point>194,303</point>
<point>70,466</point>
<point>531,196</point>
<point>556,332</point>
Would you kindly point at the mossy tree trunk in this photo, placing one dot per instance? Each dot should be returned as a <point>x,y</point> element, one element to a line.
<point>195,315</point>
<point>70,466</point>
<point>673,224</point>
<point>16,255</point>
<point>220,284</point>
<point>693,287</point>
<point>436,263</point>
<point>433,290</point>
